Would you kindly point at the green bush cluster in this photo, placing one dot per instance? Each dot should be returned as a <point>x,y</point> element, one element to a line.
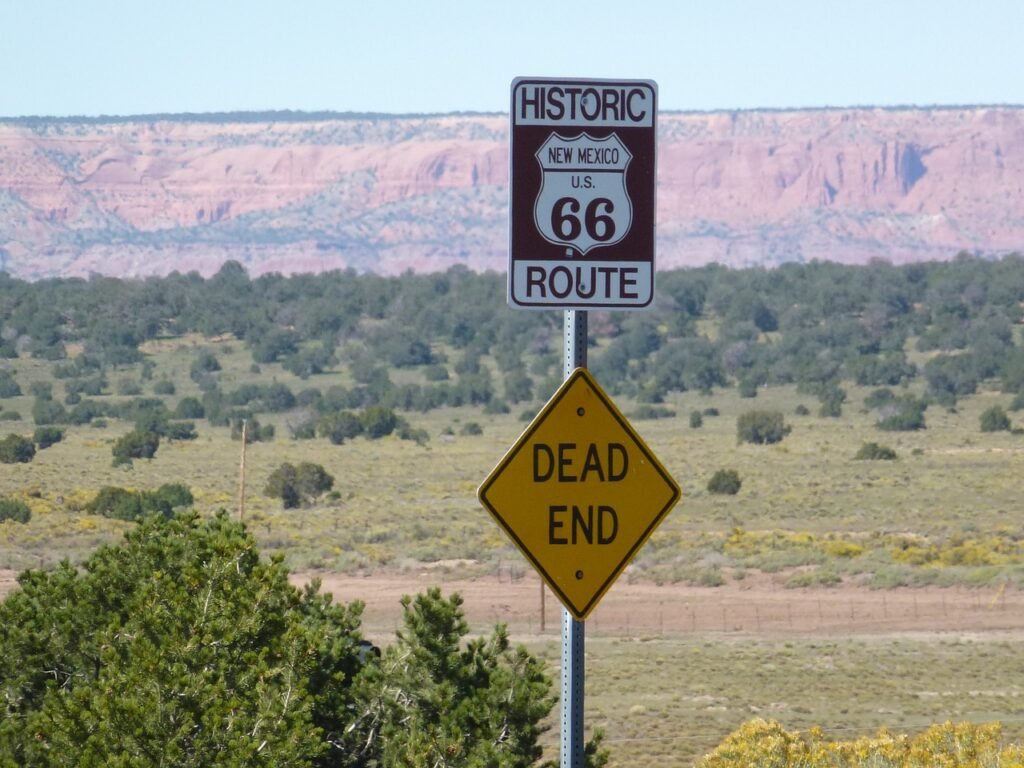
<point>44,437</point>
<point>137,444</point>
<point>15,449</point>
<point>182,646</point>
<point>994,419</point>
<point>298,485</point>
<point>123,504</point>
<point>761,427</point>
<point>875,452</point>
<point>725,482</point>
<point>14,510</point>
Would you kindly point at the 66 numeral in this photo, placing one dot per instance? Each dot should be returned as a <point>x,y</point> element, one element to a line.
<point>565,221</point>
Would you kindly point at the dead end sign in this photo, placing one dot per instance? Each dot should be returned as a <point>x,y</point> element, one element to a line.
<point>579,493</point>
<point>582,193</point>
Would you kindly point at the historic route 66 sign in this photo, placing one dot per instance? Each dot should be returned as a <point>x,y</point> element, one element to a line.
<point>581,194</point>
<point>583,201</point>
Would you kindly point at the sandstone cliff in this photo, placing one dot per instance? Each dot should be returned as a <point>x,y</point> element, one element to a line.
<point>149,196</point>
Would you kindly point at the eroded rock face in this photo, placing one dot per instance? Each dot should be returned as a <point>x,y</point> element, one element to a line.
<point>146,197</point>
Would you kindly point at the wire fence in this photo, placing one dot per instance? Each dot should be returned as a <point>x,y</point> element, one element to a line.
<point>629,610</point>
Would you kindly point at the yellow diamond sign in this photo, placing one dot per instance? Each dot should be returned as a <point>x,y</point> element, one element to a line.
<point>579,493</point>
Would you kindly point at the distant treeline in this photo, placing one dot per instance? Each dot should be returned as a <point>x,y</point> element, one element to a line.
<point>815,325</point>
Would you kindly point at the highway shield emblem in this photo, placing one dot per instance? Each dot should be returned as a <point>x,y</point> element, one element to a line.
<point>583,201</point>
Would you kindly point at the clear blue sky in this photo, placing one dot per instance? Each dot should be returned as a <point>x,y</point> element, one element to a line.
<point>61,57</point>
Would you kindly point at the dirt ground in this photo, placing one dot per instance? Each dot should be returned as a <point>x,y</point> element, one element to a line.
<point>756,606</point>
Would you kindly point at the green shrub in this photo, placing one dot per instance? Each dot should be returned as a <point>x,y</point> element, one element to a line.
<point>15,449</point>
<point>164,387</point>
<point>254,431</point>
<point>117,503</point>
<point>47,411</point>
<point>129,387</point>
<point>10,416</point>
<point>189,408</point>
<point>44,437</point>
<point>435,372</point>
<point>903,414</point>
<point>14,510</point>
<point>122,504</point>
<point>181,430</point>
<point>8,385</point>
<point>819,577</point>
<point>165,499</point>
<point>725,481</point>
<point>296,485</point>
<point>378,421</point>
<point>205,362</point>
<point>879,398</point>
<point>135,445</point>
<point>802,410</point>
<point>339,426</point>
<point>406,432</point>
<point>875,452</point>
<point>709,577</point>
<point>994,419</point>
<point>184,625</point>
<point>647,412</point>
<point>761,427</point>
<point>696,420</point>
<point>832,399</point>
<point>471,428</point>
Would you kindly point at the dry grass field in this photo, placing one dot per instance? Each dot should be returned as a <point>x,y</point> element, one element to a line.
<point>849,594</point>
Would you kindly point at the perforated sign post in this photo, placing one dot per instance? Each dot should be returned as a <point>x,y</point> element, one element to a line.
<point>581,194</point>
<point>579,493</point>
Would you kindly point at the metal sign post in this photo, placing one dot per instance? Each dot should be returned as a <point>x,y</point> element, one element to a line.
<point>579,492</point>
<point>573,631</point>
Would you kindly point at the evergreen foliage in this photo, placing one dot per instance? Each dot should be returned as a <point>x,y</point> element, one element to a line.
<point>16,511</point>
<point>298,485</point>
<point>815,325</point>
<point>189,408</point>
<point>902,414</point>
<point>378,421</point>
<point>725,482</point>
<point>164,387</point>
<point>123,504</point>
<point>761,427</point>
<point>47,411</point>
<point>15,449</point>
<point>339,426</point>
<point>875,452</point>
<point>183,647</point>
<point>994,419</point>
<point>44,437</point>
<point>8,385</point>
<point>137,444</point>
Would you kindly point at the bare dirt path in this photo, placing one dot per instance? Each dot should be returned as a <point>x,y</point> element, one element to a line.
<point>754,606</point>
